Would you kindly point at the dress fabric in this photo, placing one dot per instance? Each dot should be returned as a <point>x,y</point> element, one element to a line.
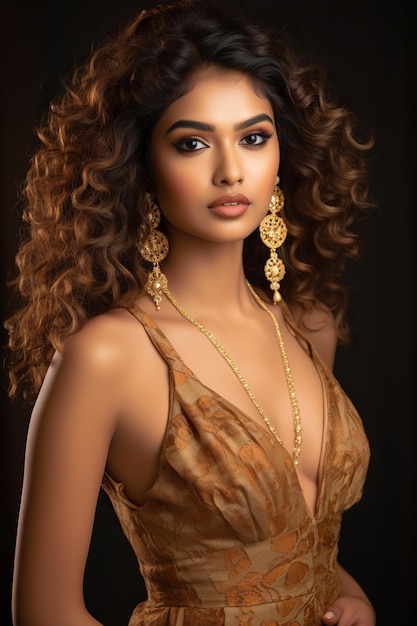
<point>225,535</point>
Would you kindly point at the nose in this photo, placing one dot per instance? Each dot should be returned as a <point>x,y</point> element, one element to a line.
<point>228,168</point>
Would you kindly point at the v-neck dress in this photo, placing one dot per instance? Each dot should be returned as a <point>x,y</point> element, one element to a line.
<point>225,535</point>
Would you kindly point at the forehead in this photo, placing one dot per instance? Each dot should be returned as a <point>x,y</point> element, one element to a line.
<point>218,96</point>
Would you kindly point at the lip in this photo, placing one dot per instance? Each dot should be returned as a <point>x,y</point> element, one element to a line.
<point>229,205</point>
<point>229,197</point>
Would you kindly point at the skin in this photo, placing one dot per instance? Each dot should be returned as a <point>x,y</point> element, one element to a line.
<point>104,402</point>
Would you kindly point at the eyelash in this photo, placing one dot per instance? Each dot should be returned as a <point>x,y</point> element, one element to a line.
<point>259,133</point>
<point>181,144</point>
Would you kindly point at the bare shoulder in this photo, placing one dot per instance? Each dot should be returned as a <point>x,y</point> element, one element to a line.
<point>321,330</point>
<point>107,339</point>
<point>109,345</point>
<point>114,350</point>
<point>100,361</point>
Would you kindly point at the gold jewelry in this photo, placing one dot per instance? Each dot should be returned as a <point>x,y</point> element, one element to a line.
<point>154,249</point>
<point>273,232</point>
<point>290,383</point>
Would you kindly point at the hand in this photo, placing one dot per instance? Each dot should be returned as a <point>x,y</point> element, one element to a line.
<point>349,611</point>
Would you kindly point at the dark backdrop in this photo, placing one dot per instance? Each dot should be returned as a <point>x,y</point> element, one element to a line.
<point>367,47</point>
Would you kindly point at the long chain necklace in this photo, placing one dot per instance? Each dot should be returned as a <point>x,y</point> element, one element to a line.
<point>290,383</point>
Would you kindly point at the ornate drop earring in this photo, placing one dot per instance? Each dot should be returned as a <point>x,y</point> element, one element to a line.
<point>154,249</point>
<point>273,232</point>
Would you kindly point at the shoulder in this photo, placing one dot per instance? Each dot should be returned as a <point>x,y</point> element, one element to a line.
<point>106,340</point>
<point>114,349</point>
<point>319,327</point>
<point>101,368</point>
<point>102,355</point>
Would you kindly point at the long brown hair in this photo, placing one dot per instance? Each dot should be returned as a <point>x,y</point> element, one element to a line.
<point>84,190</point>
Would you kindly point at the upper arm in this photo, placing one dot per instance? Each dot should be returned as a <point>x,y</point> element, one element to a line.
<point>71,428</point>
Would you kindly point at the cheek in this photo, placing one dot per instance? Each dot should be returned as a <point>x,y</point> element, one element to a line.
<point>174,181</point>
<point>275,158</point>
<point>264,165</point>
<point>266,173</point>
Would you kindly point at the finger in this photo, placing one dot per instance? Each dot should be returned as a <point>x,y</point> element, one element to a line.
<point>329,618</point>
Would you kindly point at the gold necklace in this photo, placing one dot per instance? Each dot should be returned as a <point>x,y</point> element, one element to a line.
<point>290,383</point>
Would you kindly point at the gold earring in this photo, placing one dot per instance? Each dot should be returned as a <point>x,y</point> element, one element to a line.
<point>154,249</point>
<point>273,232</point>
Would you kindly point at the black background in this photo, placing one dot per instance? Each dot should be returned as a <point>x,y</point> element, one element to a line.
<point>367,48</point>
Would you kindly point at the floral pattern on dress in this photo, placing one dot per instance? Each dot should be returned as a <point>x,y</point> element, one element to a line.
<point>225,536</point>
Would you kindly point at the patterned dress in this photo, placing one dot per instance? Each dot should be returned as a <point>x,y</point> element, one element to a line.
<point>225,535</point>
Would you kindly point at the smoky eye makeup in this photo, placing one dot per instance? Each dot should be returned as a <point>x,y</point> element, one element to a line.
<point>190,144</point>
<point>256,137</point>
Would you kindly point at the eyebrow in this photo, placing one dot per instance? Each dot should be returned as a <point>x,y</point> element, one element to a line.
<point>262,117</point>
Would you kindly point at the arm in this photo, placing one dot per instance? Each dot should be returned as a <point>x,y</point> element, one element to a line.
<point>353,607</point>
<point>68,440</point>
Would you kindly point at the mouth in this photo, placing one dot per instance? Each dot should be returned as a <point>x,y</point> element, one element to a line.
<point>229,205</point>
<point>230,200</point>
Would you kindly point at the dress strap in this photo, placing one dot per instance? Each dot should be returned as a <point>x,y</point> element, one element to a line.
<point>156,336</point>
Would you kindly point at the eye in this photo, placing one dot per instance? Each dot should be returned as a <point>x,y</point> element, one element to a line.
<point>190,144</point>
<point>256,139</point>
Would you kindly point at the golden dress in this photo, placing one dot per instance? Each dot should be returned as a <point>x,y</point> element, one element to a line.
<point>225,535</point>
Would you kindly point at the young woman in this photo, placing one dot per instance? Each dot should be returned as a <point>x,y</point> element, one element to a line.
<point>193,171</point>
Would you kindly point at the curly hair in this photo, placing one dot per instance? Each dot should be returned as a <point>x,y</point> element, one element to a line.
<point>84,190</point>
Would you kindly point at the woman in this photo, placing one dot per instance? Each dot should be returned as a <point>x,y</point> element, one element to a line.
<point>193,170</point>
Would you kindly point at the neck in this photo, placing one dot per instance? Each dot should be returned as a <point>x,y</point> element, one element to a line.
<point>207,276</point>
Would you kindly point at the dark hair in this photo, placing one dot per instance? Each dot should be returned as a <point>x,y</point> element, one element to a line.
<point>84,190</point>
